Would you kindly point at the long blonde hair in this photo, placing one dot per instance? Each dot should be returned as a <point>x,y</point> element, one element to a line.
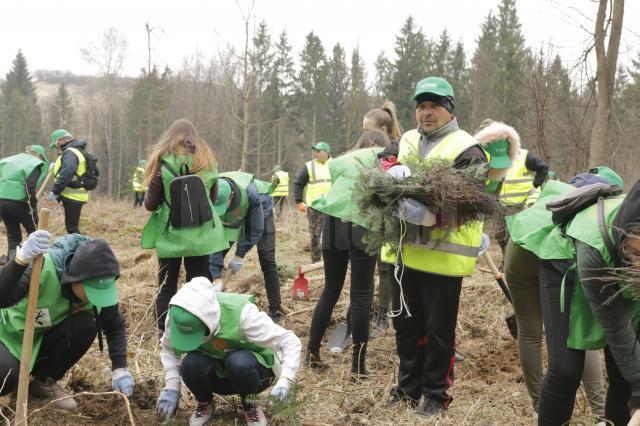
<point>181,138</point>
<point>386,118</point>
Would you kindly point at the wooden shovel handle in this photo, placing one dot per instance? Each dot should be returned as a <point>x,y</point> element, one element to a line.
<point>312,267</point>
<point>30,321</point>
<point>44,184</point>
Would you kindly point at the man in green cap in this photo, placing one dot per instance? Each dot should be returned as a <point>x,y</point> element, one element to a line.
<point>77,300</point>
<point>315,177</point>
<point>280,192</point>
<point>70,170</point>
<point>138,186</point>
<point>220,343</point>
<point>20,177</point>
<point>433,260</point>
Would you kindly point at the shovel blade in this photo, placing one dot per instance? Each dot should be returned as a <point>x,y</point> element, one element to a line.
<point>300,290</point>
<point>340,338</point>
<point>512,324</point>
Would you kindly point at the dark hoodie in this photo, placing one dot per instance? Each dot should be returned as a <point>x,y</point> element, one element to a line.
<point>69,166</point>
<point>71,255</point>
<point>606,302</point>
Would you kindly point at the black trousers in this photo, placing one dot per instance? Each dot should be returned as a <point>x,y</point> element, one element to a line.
<point>138,198</point>
<point>342,241</point>
<point>14,214</point>
<point>566,365</point>
<point>168,273</point>
<point>244,375</point>
<point>267,257</point>
<point>57,353</point>
<point>425,341</point>
<point>72,210</point>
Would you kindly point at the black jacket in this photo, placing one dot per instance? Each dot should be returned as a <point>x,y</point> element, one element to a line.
<point>537,165</point>
<point>69,166</point>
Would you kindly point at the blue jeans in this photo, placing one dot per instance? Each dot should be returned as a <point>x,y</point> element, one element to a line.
<point>244,375</point>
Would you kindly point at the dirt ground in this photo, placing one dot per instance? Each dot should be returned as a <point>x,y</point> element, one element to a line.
<point>488,389</point>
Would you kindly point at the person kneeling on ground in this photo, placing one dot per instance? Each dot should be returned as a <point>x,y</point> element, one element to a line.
<point>231,348</point>
<point>77,280</point>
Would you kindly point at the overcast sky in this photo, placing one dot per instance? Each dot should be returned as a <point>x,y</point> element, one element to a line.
<point>51,33</point>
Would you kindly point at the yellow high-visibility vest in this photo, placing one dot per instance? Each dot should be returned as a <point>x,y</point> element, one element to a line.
<point>518,184</point>
<point>319,180</point>
<point>450,251</point>
<point>138,180</point>
<point>77,194</point>
<point>282,190</point>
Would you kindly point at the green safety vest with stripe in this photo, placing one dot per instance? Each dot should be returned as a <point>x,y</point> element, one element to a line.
<point>170,242</point>
<point>51,310</point>
<point>282,190</point>
<point>319,182</point>
<point>234,219</point>
<point>585,331</point>
<point>447,251</point>
<point>518,184</point>
<point>76,194</point>
<point>533,229</point>
<point>14,171</point>
<point>345,171</point>
<point>138,179</point>
<point>228,338</point>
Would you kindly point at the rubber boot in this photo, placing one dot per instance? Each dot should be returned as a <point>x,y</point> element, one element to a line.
<point>358,358</point>
<point>382,320</point>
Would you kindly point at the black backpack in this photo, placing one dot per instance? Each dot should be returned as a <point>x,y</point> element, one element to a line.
<point>189,199</point>
<point>564,207</point>
<point>89,180</point>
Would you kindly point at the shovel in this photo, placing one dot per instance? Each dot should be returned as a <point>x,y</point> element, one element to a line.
<point>300,290</point>
<point>510,319</point>
<point>341,336</point>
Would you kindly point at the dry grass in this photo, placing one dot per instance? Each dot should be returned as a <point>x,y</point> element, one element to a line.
<point>487,389</point>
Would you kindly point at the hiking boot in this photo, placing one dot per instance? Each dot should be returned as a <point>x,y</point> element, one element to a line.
<point>459,358</point>
<point>50,390</point>
<point>253,415</point>
<point>202,414</point>
<point>398,397</point>
<point>3,260</point>
<point>382,319</point>
<point>430,407</point>
<point>312,360</point>
<point>358,357</point>
<point>276,315</point>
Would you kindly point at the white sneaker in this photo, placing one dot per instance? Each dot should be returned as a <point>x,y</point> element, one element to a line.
<point>202,414</point>
<point>50,390</point>
<point>253,415</point>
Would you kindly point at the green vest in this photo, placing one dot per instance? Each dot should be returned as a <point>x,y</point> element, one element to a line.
<point>14,172</point>
<point>452,252</point>
<point>233,220</point>
<point>172,242</point>
<point>51,310</point>
<point>77,194</point>
<point>138,178</point>
<point>319,180</point>
<point>532,229</point>
<point>518,183</point>
<point>585,331</point>
<point>263,187</point>
<point>228,338</point>
<point>282,190</point>
<point>345,171</point>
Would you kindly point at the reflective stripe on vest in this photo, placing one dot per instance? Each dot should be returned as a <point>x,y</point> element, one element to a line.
<point>282,190</point>
<point>319,180</point>
<point>518,184</point>
<point>450,252</point>
<point>77,194</point>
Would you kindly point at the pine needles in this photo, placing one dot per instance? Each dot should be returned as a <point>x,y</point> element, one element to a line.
<point>456,196</point>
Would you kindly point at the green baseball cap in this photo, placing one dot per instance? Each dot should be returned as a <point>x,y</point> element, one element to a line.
<point>276,168</point>
<point>499,152</point>
<point>187,330</point>
<point>435,86</point>
<point>38,149</point>
<point>57,134</point>
<point>101,292</point>
<point>142,163</point>
<point>321,146</point>
<point>222,197</point>
<point>609,175</point>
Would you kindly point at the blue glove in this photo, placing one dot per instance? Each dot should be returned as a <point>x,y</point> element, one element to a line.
<point>122,381</point>
<point>37,243</point>
<point>236,264</point>
<point>484,244</point>
<point>281,389</point>
<point>52,197</point>
<point>167,402</point>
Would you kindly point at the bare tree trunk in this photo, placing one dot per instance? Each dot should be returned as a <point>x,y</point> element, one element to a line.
<point>605,76</point>
<point>246,94</point>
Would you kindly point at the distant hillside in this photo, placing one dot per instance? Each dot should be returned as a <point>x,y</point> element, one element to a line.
<point>47,82</point>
